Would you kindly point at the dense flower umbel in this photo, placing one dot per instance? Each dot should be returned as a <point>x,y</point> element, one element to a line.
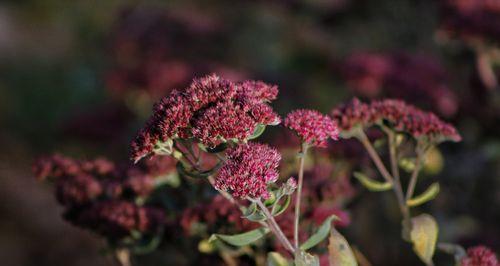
<point>397,114</point>
<point>248,170</point>
<point>211,109</point>
<point>312,127</point>
<point>117,219</point>
<point>351,114</point>
<point>480,256</point>
<point>99,196</point>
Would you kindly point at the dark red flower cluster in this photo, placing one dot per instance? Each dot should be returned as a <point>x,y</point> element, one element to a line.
<point>218,210</point>
<point>117,218</point>
<point>312,127</point>
<point>471,20</point>
<point>212,110</point>
<point>416,78</point>
<point>99,196</point>
<point>248,170</point>
<point>480,256</point>
<point>351,114</point>
<point>398,115</point>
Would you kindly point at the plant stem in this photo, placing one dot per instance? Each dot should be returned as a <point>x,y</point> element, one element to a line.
<point>303,152</point>
<point>374,156</point>
<point>414,176</point>
<point>396,182</point>
<point>276,228</point>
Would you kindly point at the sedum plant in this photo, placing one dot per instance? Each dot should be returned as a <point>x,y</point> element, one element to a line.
<point>206,134</point>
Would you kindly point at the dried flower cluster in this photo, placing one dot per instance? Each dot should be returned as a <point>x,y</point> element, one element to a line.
<point>99,196</point>
<point>212,110</point>
<point>248,170</point>
<point>416,78</point>
<point>398,115</point>
<point>480,256</point>
<point>312,127</point>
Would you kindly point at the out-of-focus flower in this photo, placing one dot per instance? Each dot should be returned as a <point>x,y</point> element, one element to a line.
<point>312,127</point>
<point>415,78</point>
<point>117,219</point>
<point>56,165</point>
<point>398,115</point>
<point>480,256</point>
<point>218,210</point>
<point>471,20</point>
<point>99,196</point>
<point>211,109</point>
<point>248,170</point>
<point>320,213</point>
<point>78,190</point>
<point>352,114</point>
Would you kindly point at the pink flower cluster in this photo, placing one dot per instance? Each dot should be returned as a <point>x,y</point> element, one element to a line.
<point>248,170</point>
<point>312,127</point>
<point>98,195</point>
<point>480,256</point>
<point>398,115</point>
<point>212,110</point>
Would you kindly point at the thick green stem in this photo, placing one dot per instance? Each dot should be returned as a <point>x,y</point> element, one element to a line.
<point>303,152</point>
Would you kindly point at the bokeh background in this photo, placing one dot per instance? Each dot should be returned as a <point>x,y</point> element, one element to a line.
<point>80,77</point>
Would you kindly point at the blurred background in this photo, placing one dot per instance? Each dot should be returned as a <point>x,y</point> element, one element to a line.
<point>80,77</point>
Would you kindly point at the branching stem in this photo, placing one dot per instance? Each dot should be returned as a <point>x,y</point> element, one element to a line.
<point>274,227</point>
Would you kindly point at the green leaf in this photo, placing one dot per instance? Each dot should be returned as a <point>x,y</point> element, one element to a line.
<point>371,184</point>
<point>253,214</point>
<point>241,239</point>
<point>407,164</point>
<point>305,259</point>
<point>259,129</point>
<point>339,251</point>
<point>321,234</point>
<point>423,235</point>
<point>281,208</point>
<point>429,194</point>
<point>275,259</point>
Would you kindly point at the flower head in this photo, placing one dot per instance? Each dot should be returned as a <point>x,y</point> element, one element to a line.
<point>480,256</point>
<point>351,114</point>
<point>212,110</point>
<point>312,127</point>
<point>396,114</point>
<point>248,171</point>
<point>117,219</point>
